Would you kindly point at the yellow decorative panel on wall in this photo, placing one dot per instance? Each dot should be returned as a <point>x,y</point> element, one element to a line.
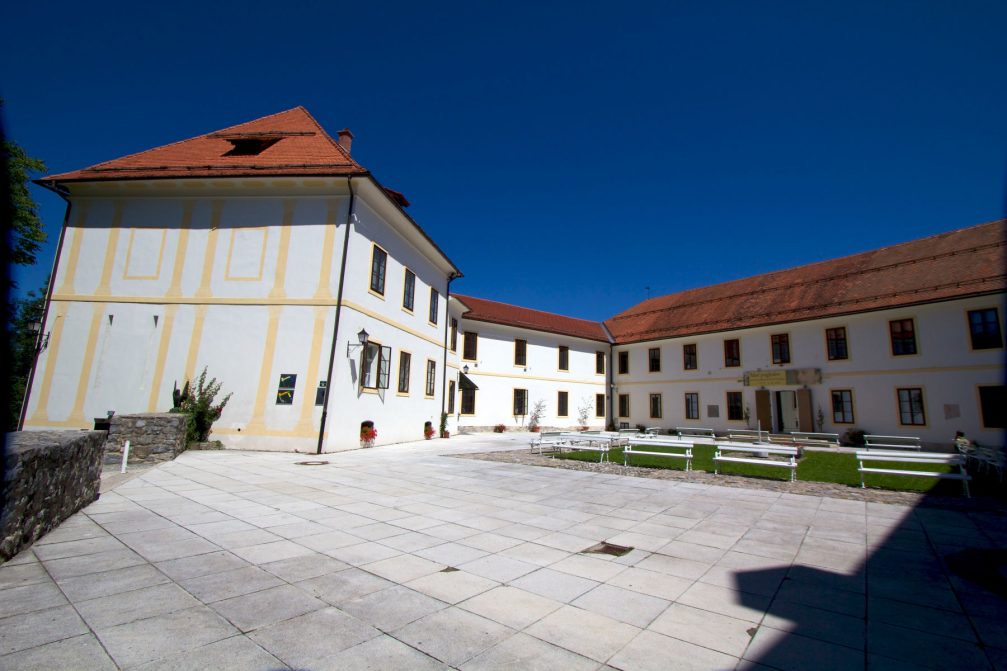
<point>246,254</point>
<point>144,254</point>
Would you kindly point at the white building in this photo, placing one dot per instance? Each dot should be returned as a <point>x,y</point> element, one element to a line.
<point>261,252</point>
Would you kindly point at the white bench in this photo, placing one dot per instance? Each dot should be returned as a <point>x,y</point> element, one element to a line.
<point>640,445</point>
<point>585,446</point>
<point>892,443</point>
<point>748,434</point>
<point>815,439</point>
<point>694,432</point>
<point>754,449</point>
<point>545,439</point>
<point>914,458</point>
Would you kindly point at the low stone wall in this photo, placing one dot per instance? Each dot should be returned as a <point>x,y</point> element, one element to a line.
<point>48,476</point>
<point>149,434</point>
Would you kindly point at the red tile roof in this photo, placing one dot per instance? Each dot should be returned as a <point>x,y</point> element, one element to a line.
<point>966,262</point>
<point>482,310</point>
<point>297,145</point>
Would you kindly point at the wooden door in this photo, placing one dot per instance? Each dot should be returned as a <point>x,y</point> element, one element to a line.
<point>805,412</point>
<point>763,409</point>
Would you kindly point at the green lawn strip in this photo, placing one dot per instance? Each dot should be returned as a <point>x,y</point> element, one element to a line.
<point>840,468</point>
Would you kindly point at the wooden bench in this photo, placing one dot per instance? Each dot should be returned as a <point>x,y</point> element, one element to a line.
<point>754,449</point>
<point>914,458</point>
<point>640,446</point>
<point>691,432</point>
<point>891,443</point>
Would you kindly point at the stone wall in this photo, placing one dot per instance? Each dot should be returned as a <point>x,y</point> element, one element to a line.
<point>48,476</point>
<point>149,434</point>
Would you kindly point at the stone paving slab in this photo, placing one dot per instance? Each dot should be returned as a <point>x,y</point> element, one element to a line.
<point>405,557</point>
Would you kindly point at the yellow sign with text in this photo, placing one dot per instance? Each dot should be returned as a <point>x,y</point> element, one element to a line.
<point>766,378</point>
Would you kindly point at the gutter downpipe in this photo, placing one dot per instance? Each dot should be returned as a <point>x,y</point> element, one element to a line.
<point>339,308</point>
<point>447,326</point>
<point>62,192</point>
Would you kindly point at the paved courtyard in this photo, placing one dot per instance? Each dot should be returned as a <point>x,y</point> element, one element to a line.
<point>400,558</point>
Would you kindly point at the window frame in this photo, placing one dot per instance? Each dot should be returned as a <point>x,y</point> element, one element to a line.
<point>452,391</point>
<point>982,407</point>
<point>654,362</point>
<point>846,399</point>
<point>475,346</point>
<point>622,362</point>
<point>563,358</point>
<point>434,306</point>
<point>660,406</point>
<point>600,401</point>
<point>973,334</point>
<point>408,358</point>
<point>562,404</point>
<point>378,276</point>
<point>521,394</point>
<point>454,335</point>
<point>694,397</point>
<point>736,347</point>
<point>624,404</point>
<point>900,341</point>
<point>599,363</point>
<point>779,343</point>
<point>430,386</point>
<point>910,400</point>
<point>465,394</point>
<point>832,344</point>
<point>408,290</point>
<point>520,352</point>
<point>740,406</point>
<point>686,347</point>
<point>382,368</point>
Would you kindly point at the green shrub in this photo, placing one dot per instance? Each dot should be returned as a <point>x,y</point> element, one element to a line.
<point>198,404</point>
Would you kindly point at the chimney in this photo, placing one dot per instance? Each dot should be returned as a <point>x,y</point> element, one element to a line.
<point>345,139</point>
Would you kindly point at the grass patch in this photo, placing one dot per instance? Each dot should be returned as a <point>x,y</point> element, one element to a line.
<point>835,467</point>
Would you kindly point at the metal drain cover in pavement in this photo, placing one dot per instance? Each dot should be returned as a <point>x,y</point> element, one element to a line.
<point>607,549</point>
<point>310,463</point>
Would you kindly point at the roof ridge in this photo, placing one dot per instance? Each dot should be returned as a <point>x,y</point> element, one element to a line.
<point>766,289</point>
<point>325,133</point>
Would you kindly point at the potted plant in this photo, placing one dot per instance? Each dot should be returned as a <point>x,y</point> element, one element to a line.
<point>499,428</point>
<point>444,426</point>
<point>428,430</point>
<point>367,434</point>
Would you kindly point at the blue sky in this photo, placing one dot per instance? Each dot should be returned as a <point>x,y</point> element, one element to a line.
<point>565,155</point>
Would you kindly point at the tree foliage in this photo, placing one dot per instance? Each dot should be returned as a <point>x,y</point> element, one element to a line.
<point>21,348</point>
<point>27,232</point>
<point>198,404</point>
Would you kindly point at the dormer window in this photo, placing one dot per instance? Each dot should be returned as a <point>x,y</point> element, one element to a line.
<point>250,146</point>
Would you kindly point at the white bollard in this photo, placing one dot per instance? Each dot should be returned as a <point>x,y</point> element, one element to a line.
<point>125,456</point>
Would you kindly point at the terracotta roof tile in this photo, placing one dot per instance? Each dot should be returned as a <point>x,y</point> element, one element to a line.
<point>961,263</point>
<point>511,315</point>
<point>297,145</point>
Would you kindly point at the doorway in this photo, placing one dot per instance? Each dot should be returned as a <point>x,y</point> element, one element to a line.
<point>786,411</point>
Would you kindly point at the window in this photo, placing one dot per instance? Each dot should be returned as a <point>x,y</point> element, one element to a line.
<point>431,377</point>
<point>409,290</point>
<point>623,363</point>
<point>379,259</point>
<point>285,390</point>
<point>520,352</point>
<point>433,305</point>
<point>520,402</point>
<point>781,347</point>
<point>690,361</point>
<point>468,401</point>
<point>564,357</point>
<point>835,343</point>
<point>454,335</point>
<point>903,337</point>
<point>732,353</point>
<point>599,405</point>
<point>734,408</point>
<point>405,361</point>
<point>654,359</point>
<point>451,397</point>
<point>842,406</point>
<point>655,406</point>
<point>599,363</point>
<point>984,327</point>
<point>470,346</point>
<point>624,405</point>
<point>993,406</point>
<point>320,392</point>
<point>374,364</point>
<point>562,404</point>
<point>911,407</point>
<point>692,405</point>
